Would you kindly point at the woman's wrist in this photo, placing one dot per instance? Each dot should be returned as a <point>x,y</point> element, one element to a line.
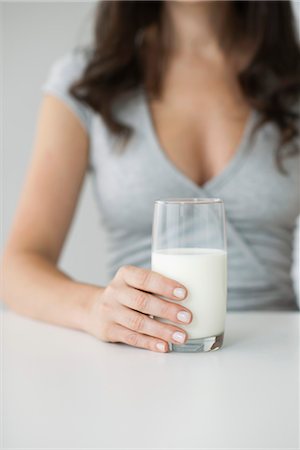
<point>86,304</point>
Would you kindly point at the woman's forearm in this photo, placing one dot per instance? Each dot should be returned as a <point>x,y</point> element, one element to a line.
<point>33,286</point>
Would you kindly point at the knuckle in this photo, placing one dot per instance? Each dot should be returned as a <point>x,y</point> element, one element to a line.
<point>110,291</point>
<point>118,274</point>
<point>165,309</point>
<point>121,272</point>
<point>132,339</point>
<point>104,307</point>
<point>137,322</point>
<point>145,278</point>
<point>141,301</point>
<point>126,269</point>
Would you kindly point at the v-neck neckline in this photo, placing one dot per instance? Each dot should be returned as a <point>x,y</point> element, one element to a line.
<point>217,180</point>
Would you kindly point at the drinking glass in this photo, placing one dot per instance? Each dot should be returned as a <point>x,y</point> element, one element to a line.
<point>189,246</point>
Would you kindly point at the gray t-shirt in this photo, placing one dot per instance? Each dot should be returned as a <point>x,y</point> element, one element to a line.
<point>261,203</point>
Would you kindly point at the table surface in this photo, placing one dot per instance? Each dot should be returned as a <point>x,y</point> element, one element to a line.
<point>64,389</point>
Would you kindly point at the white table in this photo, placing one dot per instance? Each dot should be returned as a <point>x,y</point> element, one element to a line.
<point>65,389</point>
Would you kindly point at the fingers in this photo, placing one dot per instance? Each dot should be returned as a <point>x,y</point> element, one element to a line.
<point>141,323</point>
<point>149,281</point>
<point>130,337</point>
<point>150,304</point>
<point>128,299</point>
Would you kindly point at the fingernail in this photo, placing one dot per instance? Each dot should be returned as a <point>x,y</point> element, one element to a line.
<point>184,316</point>
<point>178,336</point>
<point>179,292</point>
<point>160,346</point>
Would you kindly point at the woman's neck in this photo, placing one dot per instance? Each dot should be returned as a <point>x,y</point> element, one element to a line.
<point>194,27</point>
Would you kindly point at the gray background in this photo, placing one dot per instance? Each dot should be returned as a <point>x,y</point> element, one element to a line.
<point>34,35</point>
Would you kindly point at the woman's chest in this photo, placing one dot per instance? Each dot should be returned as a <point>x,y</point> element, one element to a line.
<point>128,182</point>
<point>200,143</point>
<point>199,123</point>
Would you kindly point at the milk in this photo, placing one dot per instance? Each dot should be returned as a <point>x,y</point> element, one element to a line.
<point>204,273</point>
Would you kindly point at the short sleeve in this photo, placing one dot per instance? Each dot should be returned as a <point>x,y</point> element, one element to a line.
<point>63,73</point>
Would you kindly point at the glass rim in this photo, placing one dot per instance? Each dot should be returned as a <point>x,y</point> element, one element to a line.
<point>189,200</point>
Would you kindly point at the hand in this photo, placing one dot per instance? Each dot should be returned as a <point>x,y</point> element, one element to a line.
<point>119,312</point>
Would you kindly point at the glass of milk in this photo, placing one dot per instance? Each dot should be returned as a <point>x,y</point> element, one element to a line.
<point>189,246</point>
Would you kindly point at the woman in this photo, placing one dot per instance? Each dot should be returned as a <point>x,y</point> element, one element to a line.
<point>176,99</point>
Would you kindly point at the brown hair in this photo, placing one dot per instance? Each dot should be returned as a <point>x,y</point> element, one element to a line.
<point>270,82</point>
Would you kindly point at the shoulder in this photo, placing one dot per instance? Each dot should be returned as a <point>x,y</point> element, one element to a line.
<point>68,68</point>
<point>65,71</point>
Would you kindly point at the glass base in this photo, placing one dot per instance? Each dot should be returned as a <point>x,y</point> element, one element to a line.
<point>206,344</point>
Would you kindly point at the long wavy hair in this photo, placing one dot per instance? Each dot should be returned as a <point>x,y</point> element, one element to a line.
<point>270,82</point>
